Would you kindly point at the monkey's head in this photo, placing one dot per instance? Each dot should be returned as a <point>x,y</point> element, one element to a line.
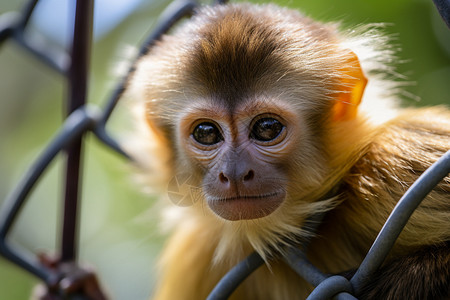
<point>244,98</point>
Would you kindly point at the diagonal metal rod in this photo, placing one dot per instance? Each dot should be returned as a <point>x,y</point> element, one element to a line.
<point>27,11</point>
<point>398,219</point>
<point>235,277</point>
<point>77,89</point>
<point>172,14</point>
<point>13,25</point>
<point>74,126</point>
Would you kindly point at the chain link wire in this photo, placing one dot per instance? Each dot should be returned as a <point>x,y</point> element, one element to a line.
<point>83,118</point>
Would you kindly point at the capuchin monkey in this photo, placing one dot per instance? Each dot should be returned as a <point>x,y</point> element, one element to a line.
<point>270,118</point>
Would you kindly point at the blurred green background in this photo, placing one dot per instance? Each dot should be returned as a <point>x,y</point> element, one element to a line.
<point>118,234</point>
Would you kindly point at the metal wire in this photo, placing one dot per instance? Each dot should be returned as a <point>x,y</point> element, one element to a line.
<point>172,14</point>
<point>398,219</point>
<point>235,277</point>
<point>82,119</point>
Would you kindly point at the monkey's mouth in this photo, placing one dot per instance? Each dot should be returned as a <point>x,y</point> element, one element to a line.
<point>246,207</point>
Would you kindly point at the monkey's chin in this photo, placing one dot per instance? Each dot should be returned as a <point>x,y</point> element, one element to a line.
<point>246,207</point>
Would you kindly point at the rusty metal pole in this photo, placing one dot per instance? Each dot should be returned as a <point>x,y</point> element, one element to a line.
<point>77,93</point>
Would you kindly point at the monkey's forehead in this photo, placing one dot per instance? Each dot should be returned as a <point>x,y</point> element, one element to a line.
<point>231,51</point>
<point>242,48</point>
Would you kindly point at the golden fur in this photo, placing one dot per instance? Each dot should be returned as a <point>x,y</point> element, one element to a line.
<point>372,157</point>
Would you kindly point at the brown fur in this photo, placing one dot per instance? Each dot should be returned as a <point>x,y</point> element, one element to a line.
<point>228,56</point>
<point>428,279</point>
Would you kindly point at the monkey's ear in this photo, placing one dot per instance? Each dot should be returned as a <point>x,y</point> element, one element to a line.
<point>350,92</point>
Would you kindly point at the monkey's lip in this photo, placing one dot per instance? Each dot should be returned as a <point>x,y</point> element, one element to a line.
<point>246,207</point>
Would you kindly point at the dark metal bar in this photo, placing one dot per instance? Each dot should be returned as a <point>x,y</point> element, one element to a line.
<point>235,276</point>
<point>77,123</point>
<point>27,11</point>
<point>77,79</point>
<point>27,262</point>
<point>57,60</point>
<point>443,6</point>
<point>13,25</point>
<point>82,119</point>
<point>398,219</point>
<point>13,21</point>
<point>330,287</point>
<point>228,284</point>
<point>8,23</point>
<point>296,259</point>
<point>173,13</point>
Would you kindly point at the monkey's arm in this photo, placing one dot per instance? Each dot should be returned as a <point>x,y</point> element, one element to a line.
<point>424,274</point>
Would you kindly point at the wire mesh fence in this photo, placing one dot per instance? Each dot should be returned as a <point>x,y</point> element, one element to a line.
<point>82,118</point>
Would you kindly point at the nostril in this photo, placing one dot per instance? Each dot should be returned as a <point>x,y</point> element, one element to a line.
<point>249,175</point>
<point>223,178</point>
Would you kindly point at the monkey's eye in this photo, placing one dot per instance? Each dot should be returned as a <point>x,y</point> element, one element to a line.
<point>207,133</point>
<point>266,129</point>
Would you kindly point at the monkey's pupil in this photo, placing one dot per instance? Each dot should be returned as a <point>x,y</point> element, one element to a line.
<point>266,129</point>
<point>207,134</point>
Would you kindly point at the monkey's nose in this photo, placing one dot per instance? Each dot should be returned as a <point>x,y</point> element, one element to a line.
<point>249,176</point>
<point>223,178</point>
<point>237,178</point>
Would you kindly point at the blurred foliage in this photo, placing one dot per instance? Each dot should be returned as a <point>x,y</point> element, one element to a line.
<point>118,234</point>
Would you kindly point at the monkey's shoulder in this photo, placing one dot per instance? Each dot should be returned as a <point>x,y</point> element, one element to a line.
<point>405,147</point>
<point>409,143</point>
<point>402,150</point>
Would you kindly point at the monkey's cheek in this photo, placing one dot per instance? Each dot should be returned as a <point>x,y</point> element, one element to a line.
<point>246,207</point>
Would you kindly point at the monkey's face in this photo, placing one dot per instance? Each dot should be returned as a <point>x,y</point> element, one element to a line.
<point>244,100</point>
<point>242,152</point>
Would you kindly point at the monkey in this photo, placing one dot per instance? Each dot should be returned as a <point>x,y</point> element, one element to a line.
<point>270,118</point>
